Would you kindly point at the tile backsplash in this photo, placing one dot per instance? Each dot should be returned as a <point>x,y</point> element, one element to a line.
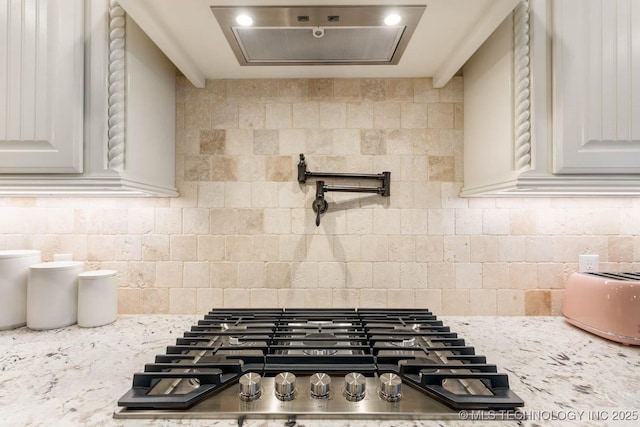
<point>243,234</point>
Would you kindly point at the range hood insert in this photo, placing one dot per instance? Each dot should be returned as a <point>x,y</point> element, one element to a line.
<point>318,35</point>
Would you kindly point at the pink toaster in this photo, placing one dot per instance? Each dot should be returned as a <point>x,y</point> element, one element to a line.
<point>605,304</point>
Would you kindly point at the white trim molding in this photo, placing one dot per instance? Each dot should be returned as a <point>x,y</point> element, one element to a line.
<point>117,92</point>
<point>521,87</point>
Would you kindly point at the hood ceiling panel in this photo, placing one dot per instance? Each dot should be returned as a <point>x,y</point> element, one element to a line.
<point>447,34</point>
<point>318,35</point>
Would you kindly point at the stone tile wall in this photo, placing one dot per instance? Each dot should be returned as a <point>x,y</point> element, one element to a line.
<point>242,232</point>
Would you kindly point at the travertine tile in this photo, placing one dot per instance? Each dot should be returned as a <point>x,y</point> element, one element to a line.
<point>293,298</point>
<point>237,247</point>
<point>155,301</point>
<point>128,248</point>
<point>224,168</point>
<point>278,168</point>
<point>293,89</point>
<point>360,115</point>
<point>468,275</point>
<point>413,275</point>
<point>386,275</point>
<point>207,299</point>
<point>413,116</point>
<point>278,116</point>
<point>456,302</point>
<point>224,274</point>
<point>523,276</point>
<point>195,220</point>
<point>372,298</point>
<point>251,116</point>
<point>266,141</point>
<point>130,301</point>
<point>155,247</point>
<point>373,89</point>
<point>196,274</point>
<point>264,248</point>
<point>430,299</point>
<point>333,115</point>
<point>510,302</point>
<point>251,274</point>
<point>346,298</point>
<point>237,194</point>
<point>183,248</point>
<point>320,89</point>
<point>483,248</point>
<point>182,300</point>
<point>441,221</point>
<point>373,142</point>
<point>441,116</point>
<point>141,274</point>
<point>197,168</point>
<point>278,275</point>
<point>249,221</point>
<point>442,168</point>
<point>318,298</point>
<point>483,302</point>
<point>537,302</point>
<point>168,221</point>
<point>424,91</point>
<point>306,115</point>
<point>212,142</point>
<point>236,298</point>
<point>386,115</point>
<point>399,90</point>
<point>169,274</point>
<point>304,275</point>
<point>359,275</point>
<point>264,298</point>
<point>346,90</point>
<point>331,274</point>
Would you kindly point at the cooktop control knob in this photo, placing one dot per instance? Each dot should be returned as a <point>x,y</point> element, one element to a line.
<point>354,386</point>
<point>390,387</point>
<point>320,385</point>
<point>250,386</point>
<point>285,385</point>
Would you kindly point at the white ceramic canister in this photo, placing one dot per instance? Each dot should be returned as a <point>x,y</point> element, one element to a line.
<point>52,294</point>
<point>97,298</point>
<point>14,271</point>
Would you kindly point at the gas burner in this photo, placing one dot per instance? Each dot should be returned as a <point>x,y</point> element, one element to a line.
<point>405,342</point>
<point>318,341</point>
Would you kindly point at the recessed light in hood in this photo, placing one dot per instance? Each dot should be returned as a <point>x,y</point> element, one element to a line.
<point>318,35</point>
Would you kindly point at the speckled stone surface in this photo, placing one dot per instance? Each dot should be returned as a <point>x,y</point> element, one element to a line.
<point>74,376</point>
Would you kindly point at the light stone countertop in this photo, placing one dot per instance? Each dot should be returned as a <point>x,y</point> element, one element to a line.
<point>74,376</point>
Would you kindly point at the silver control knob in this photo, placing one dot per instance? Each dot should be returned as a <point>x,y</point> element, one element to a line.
<point>320,385</point>
<point>354,386</point>
<point>250,386</point>
<point>390,387</point>
<point>285,385</point>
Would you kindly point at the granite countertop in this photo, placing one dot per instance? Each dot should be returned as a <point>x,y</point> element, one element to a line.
<point>74,376</point>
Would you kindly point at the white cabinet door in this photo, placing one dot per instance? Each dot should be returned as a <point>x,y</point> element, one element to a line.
<point>596,89</point>
<point>41,86</point>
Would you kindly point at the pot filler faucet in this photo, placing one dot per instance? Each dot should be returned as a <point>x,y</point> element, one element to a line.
<point>320,205</point>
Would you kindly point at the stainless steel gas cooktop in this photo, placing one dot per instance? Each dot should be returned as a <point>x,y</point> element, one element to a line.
<point>321,363</point>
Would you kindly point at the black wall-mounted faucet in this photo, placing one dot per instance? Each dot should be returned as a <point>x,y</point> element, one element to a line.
<point>320,205</point>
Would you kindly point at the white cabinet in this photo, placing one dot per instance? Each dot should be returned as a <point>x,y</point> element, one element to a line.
<point>596,74</point>
<point>121,115</point>
<point>552,102</point>
<point>41,86</point>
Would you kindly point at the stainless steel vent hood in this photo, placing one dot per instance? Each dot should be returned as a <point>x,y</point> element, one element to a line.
<point>318,35</point>
<point>442,39</point>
